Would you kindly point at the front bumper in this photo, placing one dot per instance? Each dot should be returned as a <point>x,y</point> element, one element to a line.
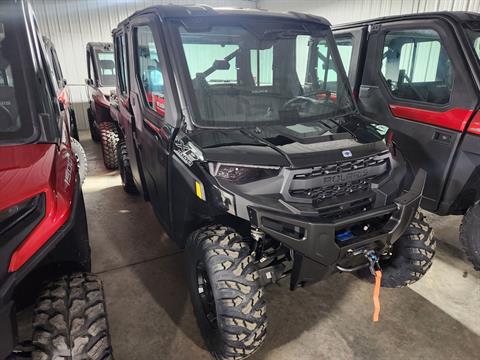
<point>317,251</point>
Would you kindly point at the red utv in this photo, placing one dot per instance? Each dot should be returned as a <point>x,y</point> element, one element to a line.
<point>64,100</point>
<point>420,76</point>
<point>44,247</point>
<point>100,88</point>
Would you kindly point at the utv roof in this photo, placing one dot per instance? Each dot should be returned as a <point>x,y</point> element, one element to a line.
<point>452,16</point>
<point>100,45</point>
<point>178,11</point>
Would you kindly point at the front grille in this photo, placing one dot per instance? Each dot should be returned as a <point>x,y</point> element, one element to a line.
<point>336,180</point>
<point>342,167</point>
<point>324,193</point>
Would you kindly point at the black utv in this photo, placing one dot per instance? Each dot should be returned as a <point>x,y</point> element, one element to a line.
<point>239,127</point>
<point>420,76</point>
<point>100,88</point>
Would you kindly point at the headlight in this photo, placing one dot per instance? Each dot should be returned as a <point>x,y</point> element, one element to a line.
<point>11,215</point>
<point>242,174</point>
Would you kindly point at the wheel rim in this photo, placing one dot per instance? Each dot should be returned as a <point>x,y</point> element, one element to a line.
<point>205,294</point>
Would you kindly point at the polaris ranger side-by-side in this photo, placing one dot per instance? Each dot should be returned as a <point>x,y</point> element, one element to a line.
<point>100,85</point>
<point>420,76</point>
<point>240,129</point>
<point>64,100</point>
<point>44,246</point>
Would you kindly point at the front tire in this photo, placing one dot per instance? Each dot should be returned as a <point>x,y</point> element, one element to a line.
<point>226,295</point>
<point>70,320</point>
<point>128,183</point>
<point>470,235</point>
<point>109,140</point>
<point>81,158</point>
<point>411,258</point>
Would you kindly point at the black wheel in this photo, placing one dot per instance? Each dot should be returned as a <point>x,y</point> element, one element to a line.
<point>125,171</point>
<point>470,235</point>
<point>94,133</point>
<point>70,320</point>
<point>73,125</point>
<point>109,140</point>
<point>226,295</point>
<point>411,257</point>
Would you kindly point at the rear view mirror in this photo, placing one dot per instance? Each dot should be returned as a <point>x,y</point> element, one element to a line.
<point>221,65</point>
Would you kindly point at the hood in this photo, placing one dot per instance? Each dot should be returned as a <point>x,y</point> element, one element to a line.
<point>25,170</point>
<point>297,146</point>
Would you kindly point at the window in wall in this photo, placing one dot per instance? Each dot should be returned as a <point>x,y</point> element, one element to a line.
<point>416,66</point>
<point>149,69</point>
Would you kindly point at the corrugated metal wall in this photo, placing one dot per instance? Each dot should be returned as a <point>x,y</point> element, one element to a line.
<point>341,11</point>
<point>70,24</point>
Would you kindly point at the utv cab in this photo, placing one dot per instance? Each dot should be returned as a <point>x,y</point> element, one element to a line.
<point>64,100</point>
<point>240,128</point>
<point>100,89</point>
<point>44,247</point>
<point>420,76</point>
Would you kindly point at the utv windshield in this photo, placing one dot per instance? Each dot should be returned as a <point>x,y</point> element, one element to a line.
<point>106,67</point>
<point>264,73</point>
<point>16,125</point>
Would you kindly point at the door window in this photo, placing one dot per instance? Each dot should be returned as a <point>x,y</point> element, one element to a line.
<point>149,71</point>
<point>121,56</point>
<point>416,66</point>
<point>345,46</point>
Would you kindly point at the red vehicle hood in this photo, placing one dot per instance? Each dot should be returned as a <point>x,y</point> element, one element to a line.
<point>25,170</point>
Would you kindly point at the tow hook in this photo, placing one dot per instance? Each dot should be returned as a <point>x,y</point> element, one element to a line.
<point>373,259</point>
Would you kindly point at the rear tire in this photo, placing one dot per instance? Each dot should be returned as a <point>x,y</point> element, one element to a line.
<point>411,258</point>
<point>70,320</point>
<point>470,235</point>
<point>109,140</point>
<point>226,295</point>
<point>128,183</point>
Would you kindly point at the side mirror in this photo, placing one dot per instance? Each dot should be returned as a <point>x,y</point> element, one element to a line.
<point>89,82</point>
<point>64,82</point>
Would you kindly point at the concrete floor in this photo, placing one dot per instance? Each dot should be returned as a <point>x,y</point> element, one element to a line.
<point>151,317</point>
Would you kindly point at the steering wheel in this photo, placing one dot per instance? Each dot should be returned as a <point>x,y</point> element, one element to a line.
<point>299,102</point>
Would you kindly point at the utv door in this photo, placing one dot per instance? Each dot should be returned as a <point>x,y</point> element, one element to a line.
<point>416,82</point>
<point>153,132</point>
<point>124,111</point>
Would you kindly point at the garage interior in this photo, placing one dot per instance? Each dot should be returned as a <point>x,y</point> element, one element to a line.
<point>149,310</point>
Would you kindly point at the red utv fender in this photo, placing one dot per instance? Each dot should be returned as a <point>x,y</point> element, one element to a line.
<point>33,170</point>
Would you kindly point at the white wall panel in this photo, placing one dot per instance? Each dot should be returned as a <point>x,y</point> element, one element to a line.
<point>70,24</point>
<point>341,11</point>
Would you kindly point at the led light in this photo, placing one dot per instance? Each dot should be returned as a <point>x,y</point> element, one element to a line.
<point>242,174</point>
<point>13,213</point>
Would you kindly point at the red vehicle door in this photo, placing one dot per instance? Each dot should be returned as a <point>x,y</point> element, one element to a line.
<point>415,81</point>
